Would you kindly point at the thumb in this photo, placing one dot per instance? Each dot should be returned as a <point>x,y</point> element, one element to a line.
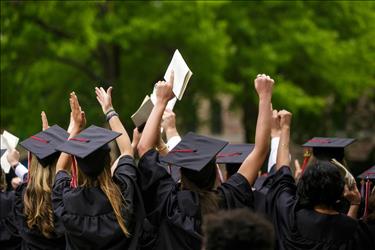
<point>44,121</point>
<point>109,91</point>
<point>171,78</point>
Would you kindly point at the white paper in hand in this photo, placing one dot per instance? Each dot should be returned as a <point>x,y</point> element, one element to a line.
<point>8,141</point>
<point>182,74</point>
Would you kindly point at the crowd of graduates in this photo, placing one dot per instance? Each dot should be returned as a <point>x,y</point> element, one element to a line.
<point>180,192</point>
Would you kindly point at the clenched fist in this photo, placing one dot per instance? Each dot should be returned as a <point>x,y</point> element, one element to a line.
<point>285,118</point>
<point>263,85</point>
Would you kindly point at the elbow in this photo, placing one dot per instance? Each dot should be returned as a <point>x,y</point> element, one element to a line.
<point>141,148</point>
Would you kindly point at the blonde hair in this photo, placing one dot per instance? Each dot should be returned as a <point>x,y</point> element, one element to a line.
<point>37,199</point>
<point>111,190</point>
<point>3,183</point>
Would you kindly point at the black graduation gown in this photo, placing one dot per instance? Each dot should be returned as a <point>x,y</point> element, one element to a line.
<point>301,228</point>
<point>33,238</point>
<point>176,213</point>
<point>9,238</point>
<point>87,215</point>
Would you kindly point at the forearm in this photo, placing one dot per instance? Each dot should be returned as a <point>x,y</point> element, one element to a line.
<point>123,141</point>
<point>263,127</point>
<point>171,132</point>
<point>151,132</point>
<point>65,160</point>
<point>283,149</point>
<point>353,211</point>
<point>250,167</point>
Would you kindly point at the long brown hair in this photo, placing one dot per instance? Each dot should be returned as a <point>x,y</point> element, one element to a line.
<point>37,199</point>
<point>111,190</point>
<point>203,183</point>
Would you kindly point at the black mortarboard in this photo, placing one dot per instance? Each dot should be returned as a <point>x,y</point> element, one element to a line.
<point>194,151</point>
<point>43,144</point>
<point>2,152</point>
<point>368,174</point>
<point>234,153</point>
<point>326,148</point>
<point>90,147</point>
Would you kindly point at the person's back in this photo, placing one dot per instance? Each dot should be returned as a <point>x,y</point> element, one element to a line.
<point>95,201</point>
<point>87,214</point>
<point>305,219</point>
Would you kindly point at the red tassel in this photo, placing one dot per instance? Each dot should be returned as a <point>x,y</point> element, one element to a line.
<point>367,195</point>
<point>73,182</point>
<point>29,158</point>
<point>306,158</point>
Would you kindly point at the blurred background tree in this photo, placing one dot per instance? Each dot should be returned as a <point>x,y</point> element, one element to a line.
<point>322,55</point>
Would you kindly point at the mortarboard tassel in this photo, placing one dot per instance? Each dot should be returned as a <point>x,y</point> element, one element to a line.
<point>29,158</point>
<point>368,188</point>
<point>306,158</point>
<point>73,182</point>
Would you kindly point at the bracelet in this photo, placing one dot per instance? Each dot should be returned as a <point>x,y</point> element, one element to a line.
<point>109,111</point>
<point>110,115</point>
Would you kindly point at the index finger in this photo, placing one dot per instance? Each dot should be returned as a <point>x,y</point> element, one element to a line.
<point>44,121</point>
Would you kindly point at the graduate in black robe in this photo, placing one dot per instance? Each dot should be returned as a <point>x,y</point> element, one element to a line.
<point>96,209</point>
<point>42,232</point>
<point>304,217</point>
<point>176,211</point>
<point>9,238</point>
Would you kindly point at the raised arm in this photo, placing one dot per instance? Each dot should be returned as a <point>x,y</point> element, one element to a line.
<point>250,167</point>
<point>169,126</point>
<point>105,100</point>
<point>78,122</point>
<point>151,132</point>
<point>283,158</point>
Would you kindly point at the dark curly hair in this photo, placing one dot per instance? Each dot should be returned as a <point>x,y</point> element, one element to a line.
<point>237,229</point>
<point>320,184</point>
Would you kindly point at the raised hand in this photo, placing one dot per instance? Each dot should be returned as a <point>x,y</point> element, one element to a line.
<point>285,118</point>
<point>263,85</point>
<point>104,98</point>
<point>13,157</point>
<point>78,118</point>
<point>44,121</point>
<point>164,89</point>
<point>352,195</point>
<point>168,120</point>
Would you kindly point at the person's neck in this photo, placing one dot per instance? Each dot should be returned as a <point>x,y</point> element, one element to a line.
<point>325,210</point>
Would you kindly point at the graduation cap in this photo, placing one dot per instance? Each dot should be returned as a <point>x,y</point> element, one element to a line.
<point>90,148</point>
<point>43,144</point>
<point>368,174</point>
<point>234,153</point>
<point>194,152</point>
<point>326,148</point>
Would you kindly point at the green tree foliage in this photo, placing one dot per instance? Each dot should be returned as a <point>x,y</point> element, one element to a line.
<point>322,56</point>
